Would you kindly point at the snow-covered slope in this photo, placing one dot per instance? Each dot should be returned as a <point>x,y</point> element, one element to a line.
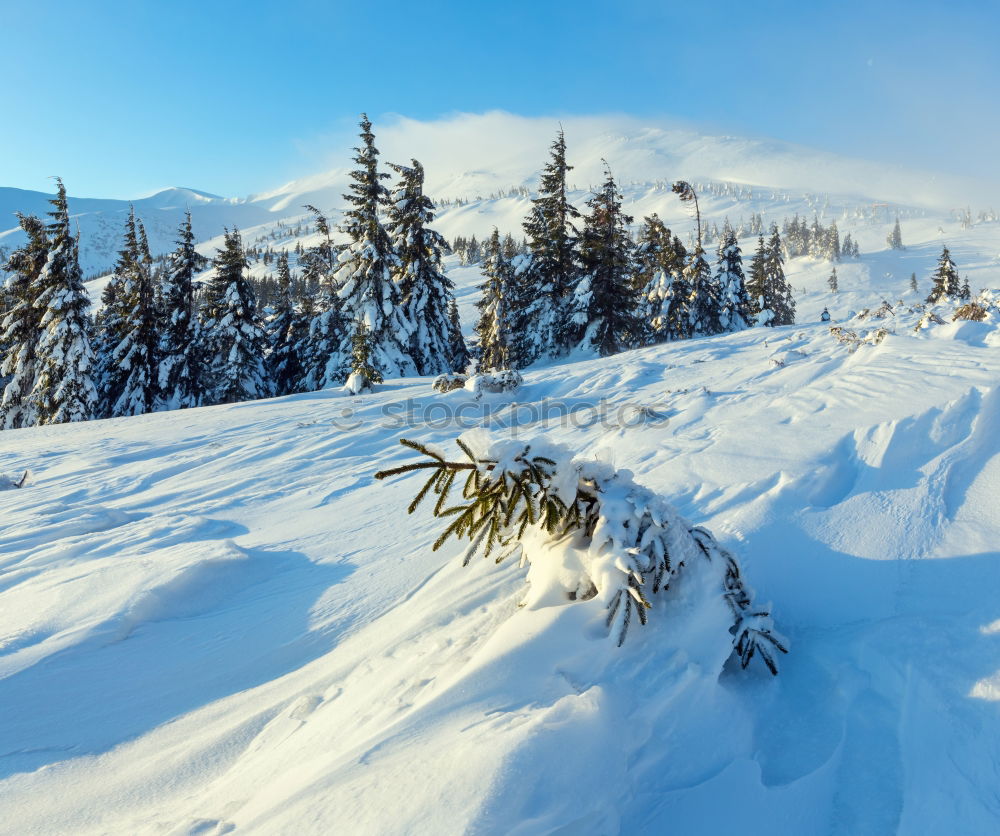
<point>216,621</point>
<point>101,221</point>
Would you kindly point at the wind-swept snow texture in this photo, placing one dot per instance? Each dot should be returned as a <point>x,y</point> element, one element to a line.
<point>215,621</point>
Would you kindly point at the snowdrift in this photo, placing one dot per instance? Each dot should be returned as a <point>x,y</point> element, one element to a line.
<point>216,621</point>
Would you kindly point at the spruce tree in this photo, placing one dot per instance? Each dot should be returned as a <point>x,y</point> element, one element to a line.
<point>117,302</point>
<point>322,333</point>
<point>234,333</point>
<point>364,276</point>
<point>131,368</point>
<point>777,292</point>
<point>285,331</point>
<point>756,283</point>
<point>895,238</point>
<point>183,368</point>
<point>833,243</point>
<point>495,327</point>
<point>426,291</point>
<point>705,304</point>
<point>945,279</point>
<point>458,351</point>
<point>913,282</point>
<point>553,269</point>
<point>736,309</point>
<point>833,282</point>
<point>64,389</point>
<point>654,260</point>
<point>363,373</point>
<point>20,328</point>
<point>849,248</point>
<point>604,299</point>
<point>965,293</point>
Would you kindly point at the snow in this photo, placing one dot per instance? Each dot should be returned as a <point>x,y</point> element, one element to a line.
<point>215,620</point>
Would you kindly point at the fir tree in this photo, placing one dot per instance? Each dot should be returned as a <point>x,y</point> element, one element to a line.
<point>20,328</point>
<point>654,261</point>
<point>234,333</point>
<point>913,282</point>
<point>130,370</point>
<point>833,243</point>
<point>117,304</point>
<point>458,351</point>
<point>321,329</point>
<point>182,369</point>
<point>552,243</point>
<point>777,292</point>
<point>757,280</point>
<point>604,299</point>
<point>363,373</point>
<point>705,304</point>
<point>965,293</point>
<point>832,282</point>
<point>364,276</point>
<point>495,327</point>
<point>426,291</point>
<point>64,389</point>
<point>849,248</point>
<point>285,331</point>
<point>736,309</point>
<point>945,279</point>
<point>895,238</point>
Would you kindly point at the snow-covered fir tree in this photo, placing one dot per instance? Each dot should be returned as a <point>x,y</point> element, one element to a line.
<point>705,306</point>
<point>234,333</point>
<point>604,299</point>
<point>756,281</point>
<point>965,293</point>
<point>736,311</point>
<point>364,276</point>
<point>363,373</point>
<point>130,372</point>
<point>117,300</point>
<point>458,351</point>
<point>285,332</point>
<point>183,367</point>
<point>778,298</point>
<point>945,279</point>
<point>64,389</point>
<point>654,257</point>
<point>554,265</point>
<point>495,327</point>
<point>323,345</point>
<point>832,252</point>
<point>913,282</point>
<point>426,291</point>
<point>895,238</point>
<point>20,328</point>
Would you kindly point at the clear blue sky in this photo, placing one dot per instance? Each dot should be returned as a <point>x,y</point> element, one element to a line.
<point>121,98</point>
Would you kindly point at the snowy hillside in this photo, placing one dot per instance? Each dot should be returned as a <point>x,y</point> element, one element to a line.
<point>101,221</point>
<point>477,159</point>
<point>217,621</point>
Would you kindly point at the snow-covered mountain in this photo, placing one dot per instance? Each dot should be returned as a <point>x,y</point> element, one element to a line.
<point>480,159</point>
<point>101,221</point>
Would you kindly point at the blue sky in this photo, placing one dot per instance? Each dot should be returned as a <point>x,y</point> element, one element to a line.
<point>121,98</point>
